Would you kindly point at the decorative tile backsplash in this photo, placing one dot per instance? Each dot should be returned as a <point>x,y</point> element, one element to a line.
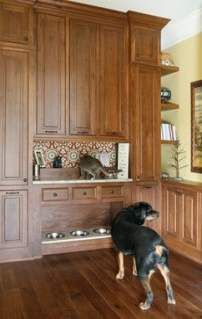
<point>71,151</point>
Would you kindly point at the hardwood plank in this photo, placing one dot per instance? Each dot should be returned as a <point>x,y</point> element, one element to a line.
<point>83,285</point>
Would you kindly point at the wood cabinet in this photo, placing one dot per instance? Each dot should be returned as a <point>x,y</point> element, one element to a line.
<point>181,219</point>
<point>146,127</point>
<point>51,74</point>
<point>15,22</point>
<point>113,81</point>
<point>13,219</point>
<point>151,195</point>
<point>83,76</point>
<point>13,117</point>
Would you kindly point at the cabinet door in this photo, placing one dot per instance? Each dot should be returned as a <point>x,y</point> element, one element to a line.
<point>13,219</point>
<point>146,124</point>
<point>151,196</point>
<point>190,218</point>
<point>83,76</point>
<point>51,75</point>
<point>113,82</point>
<point>15,23</point>
<point>172,204</point>
<point>13,117</point>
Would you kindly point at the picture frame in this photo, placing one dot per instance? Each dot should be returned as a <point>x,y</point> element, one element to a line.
<point>39,158</point>
<point>196,126</point>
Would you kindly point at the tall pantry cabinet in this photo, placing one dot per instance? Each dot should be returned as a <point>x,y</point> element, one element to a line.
<point>15,56</point>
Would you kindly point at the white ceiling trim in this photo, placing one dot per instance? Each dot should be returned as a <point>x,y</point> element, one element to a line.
<point>180,30</point>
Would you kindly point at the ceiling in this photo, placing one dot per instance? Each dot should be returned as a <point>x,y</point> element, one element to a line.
<point>173,9</point>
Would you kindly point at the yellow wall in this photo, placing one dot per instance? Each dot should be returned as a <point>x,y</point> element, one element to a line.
<point>187,55</point>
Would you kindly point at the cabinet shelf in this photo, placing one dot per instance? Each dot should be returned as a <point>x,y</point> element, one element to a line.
<point>168,142</point>
<point>168,69</point>
<point>169,106</point>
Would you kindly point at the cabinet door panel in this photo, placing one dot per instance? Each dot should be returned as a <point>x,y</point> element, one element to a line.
<point>51,75</point>
<point>147,124</point>
<point>13,117</point>
<point>113,85</point>
<point>15,23</point>
<point>190,218</point>
<point>13,215</point>
<point>83,76</point>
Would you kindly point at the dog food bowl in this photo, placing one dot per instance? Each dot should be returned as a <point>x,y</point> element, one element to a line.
<point>79,233</point>
<point>102,231</point>
<point>55,235</point>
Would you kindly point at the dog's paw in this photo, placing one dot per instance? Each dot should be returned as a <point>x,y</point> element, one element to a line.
<point>120,275</point>
<point>144,306</point>
<point>171,301</point>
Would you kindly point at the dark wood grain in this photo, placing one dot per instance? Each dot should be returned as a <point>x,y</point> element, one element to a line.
<point>83,285</point>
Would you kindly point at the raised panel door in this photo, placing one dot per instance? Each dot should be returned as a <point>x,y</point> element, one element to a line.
<point>113,82</point>
<point>83,76</point>
<point>145,124</point>
<point>173,206</point>
<point>13,117</point>
<point>51,64</point>
<point>13,219</point>
<point>190,218</point>
<point>15,22</point>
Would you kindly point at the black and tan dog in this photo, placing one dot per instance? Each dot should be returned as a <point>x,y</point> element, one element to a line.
<point>147,248</point>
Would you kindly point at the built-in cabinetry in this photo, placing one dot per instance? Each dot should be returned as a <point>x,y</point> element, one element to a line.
<point>13,117</point>
<point>16,23</point>
<point>13,219</point>
<point>181,218</point>
<point>145,97</point>
<point>81,76</point>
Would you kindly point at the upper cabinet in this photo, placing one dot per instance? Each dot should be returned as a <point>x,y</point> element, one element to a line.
<point>13,117</point>
<point>113,81</point>
<point>51,74</point>
<point>83,76</point>
<point>15,23</point>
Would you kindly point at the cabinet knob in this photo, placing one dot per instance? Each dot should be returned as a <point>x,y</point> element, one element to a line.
<point>84,193</point>
<point>24,179</point>
<point>138,178</point>
<point>55,194</point>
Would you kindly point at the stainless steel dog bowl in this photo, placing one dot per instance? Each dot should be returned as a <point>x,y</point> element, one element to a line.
<point>55,235</point>
<point>102,231</point>
<point>79,233</point>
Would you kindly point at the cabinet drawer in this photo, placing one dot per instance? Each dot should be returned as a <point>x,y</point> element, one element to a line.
<point>111,191</point>
<point>55,194</point>
<point>84,193</point>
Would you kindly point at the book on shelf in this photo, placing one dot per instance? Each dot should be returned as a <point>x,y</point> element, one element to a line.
<point>168,132</point>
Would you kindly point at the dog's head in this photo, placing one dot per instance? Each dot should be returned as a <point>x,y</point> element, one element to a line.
<point>142,211</point>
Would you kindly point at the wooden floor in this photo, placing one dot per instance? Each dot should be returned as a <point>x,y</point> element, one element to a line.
<point>83,285</point>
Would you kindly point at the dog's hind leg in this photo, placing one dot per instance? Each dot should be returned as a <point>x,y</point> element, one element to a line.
<point>165,273</point>
<point>134,267</point>
<point>149,294</point>
<point>120,274</point>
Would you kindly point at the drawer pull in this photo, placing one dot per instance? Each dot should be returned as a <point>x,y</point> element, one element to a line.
<point>84,193</point>
<point>51,132</point>
<point>12,193</point>
<point>112,192</point>
<point>55,195</point>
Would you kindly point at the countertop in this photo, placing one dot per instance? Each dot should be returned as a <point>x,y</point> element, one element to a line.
<point>82,181</point>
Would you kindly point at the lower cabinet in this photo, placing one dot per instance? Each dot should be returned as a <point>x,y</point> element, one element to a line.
<point>151,195</point>
<point>181,219</point>
<point>13,219</point>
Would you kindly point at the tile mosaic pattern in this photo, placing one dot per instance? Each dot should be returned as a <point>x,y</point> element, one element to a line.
<point>71,151</point>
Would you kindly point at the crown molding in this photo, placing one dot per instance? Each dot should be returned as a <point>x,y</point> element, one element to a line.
<point>183,29</point>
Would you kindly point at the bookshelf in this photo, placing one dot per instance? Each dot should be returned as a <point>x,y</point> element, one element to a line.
<point>168,106</point>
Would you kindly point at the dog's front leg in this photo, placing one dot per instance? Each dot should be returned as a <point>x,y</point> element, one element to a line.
<point>134,267</point>
<point>120,274</point>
